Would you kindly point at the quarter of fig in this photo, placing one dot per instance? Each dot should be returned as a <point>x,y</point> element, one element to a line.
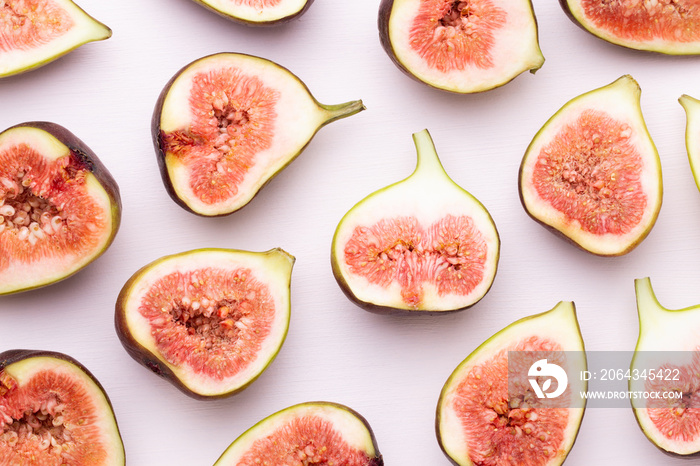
<point>227,123</point>
<point>461,46</point>
<point>59,206</point>
<point>258,12</point>
<point>666,26</point>
<point>489,412</point>
<point>320,433</point>
<point>35,32</point>
<point>54,412</point>
<point>592,173</point>
<point>422,244</point>
<point>209,321</point>
<point>667,359</point>
<point>692,134</point>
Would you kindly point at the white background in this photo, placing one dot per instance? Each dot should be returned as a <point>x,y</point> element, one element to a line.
<point>390,369</point>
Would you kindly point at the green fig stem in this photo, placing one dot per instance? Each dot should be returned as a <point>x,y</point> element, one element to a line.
<point>428,160</point>
<point>336,112</point>
<point>648,307</point>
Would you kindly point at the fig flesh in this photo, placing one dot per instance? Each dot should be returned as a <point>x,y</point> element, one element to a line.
<point>308,433</point>
<point>592,173</point>
<point>668,27</point>
<point>53,412</point>
<point>422,244</point>
<point>479,423</point>
<point>461,46</point>
<point>258,12</point>
<point>665,337</point>
<point>227,123</point>
<point>209,321</point>
<point>35,32</point>
<point>692,134</point>
<point>59,206</point>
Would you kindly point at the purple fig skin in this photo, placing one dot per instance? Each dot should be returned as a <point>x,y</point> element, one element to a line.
<point>276,22</point>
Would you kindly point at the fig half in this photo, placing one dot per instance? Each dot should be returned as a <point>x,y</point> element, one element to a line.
<point>592,173</point>
<point>35,32</point>
<point>692,134</point>
<point>59,206</point>
<point>308,433</point>
<point>53,411</point>
<point>422,244</point>
<point>488,413</point>
<point>667,344</point>
<point>258,12</point>
<point>209,321</point>
<point>461,46</point>
<point>668,27</point>
<point>227,123</point>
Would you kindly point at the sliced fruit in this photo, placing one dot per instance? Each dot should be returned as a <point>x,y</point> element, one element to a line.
<point>258,12</point>
<point>422,244</point>
<point>209,321</point>
<point>692,134</point>
<point>667,344</point>
<point>308,433</point>
<point>480,423</point>
<point>227,123</point>
<point>35,32</point>
<point>592,173</point>
<point>666,26</point>
<point>59,206</point>
<point>461,46</point>
<point>53,412</point>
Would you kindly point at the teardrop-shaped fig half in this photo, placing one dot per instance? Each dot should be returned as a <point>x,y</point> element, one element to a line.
<point>209,321</point>
<point>320,433</point>
<point>592,173</point>
<point>54,412</point>
<point>59,206</point>
<point>668,27</point>
<point>489,412</point>
<point>692,134</point>
<point>667,360</point>
<point>461,46</point>
<point>422,244</point>
<point>35,32</point>
<point>227,123</point>
<point>258,12</point>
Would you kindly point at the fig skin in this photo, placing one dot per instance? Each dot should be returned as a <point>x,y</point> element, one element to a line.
<point>263,24</point>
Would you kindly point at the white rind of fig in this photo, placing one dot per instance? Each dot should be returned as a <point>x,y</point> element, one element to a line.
<point>692,134</point>
<point>251,13</point>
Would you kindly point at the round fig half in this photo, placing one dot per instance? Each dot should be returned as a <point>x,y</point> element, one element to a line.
<point>422,244</point>
<point>59,206</point>
<point>54,412</point>
<point>258,12</point>
<point>209,321</point>
<point>461,46</point>
<point>489,415</point>
<point>35,32</point>
<point>227,123</point>
<point>667,358</point>
<point>592,173</point>
<point>668,27</point>
<point>692,134</point>
<point>320,433</point>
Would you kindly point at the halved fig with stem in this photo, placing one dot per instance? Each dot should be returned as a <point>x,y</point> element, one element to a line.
<point>664,26</point>
<point>258,12</point>
<point>593,174</point>
<point>692,134</point>
<point>227,123</point>
<point>59,206</point>
<point>461,46</point>
<point>489,412</point>
<point>53,412</point>
<point>307,433</point>
<point>35,32</point>
<point>667,364</point>
<point>209,321</point>
<point>423,244</point>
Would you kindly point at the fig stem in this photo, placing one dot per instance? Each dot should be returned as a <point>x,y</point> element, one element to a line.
<point>336,112</point>
<point>648,305</point>
<point>428,160</point>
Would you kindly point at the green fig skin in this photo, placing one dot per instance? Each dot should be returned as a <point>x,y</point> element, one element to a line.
<point>276,22</point>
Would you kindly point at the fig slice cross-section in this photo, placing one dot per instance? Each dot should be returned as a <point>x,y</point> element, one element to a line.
<point>422,244</point>
<point>592,173</point>
<point>59,206</point>
<point>691,106</point>
<point>315,433</point>
<point>35,32</point>
<point>209,320</point>
<point>258,12</point>
<point>227,123</point>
